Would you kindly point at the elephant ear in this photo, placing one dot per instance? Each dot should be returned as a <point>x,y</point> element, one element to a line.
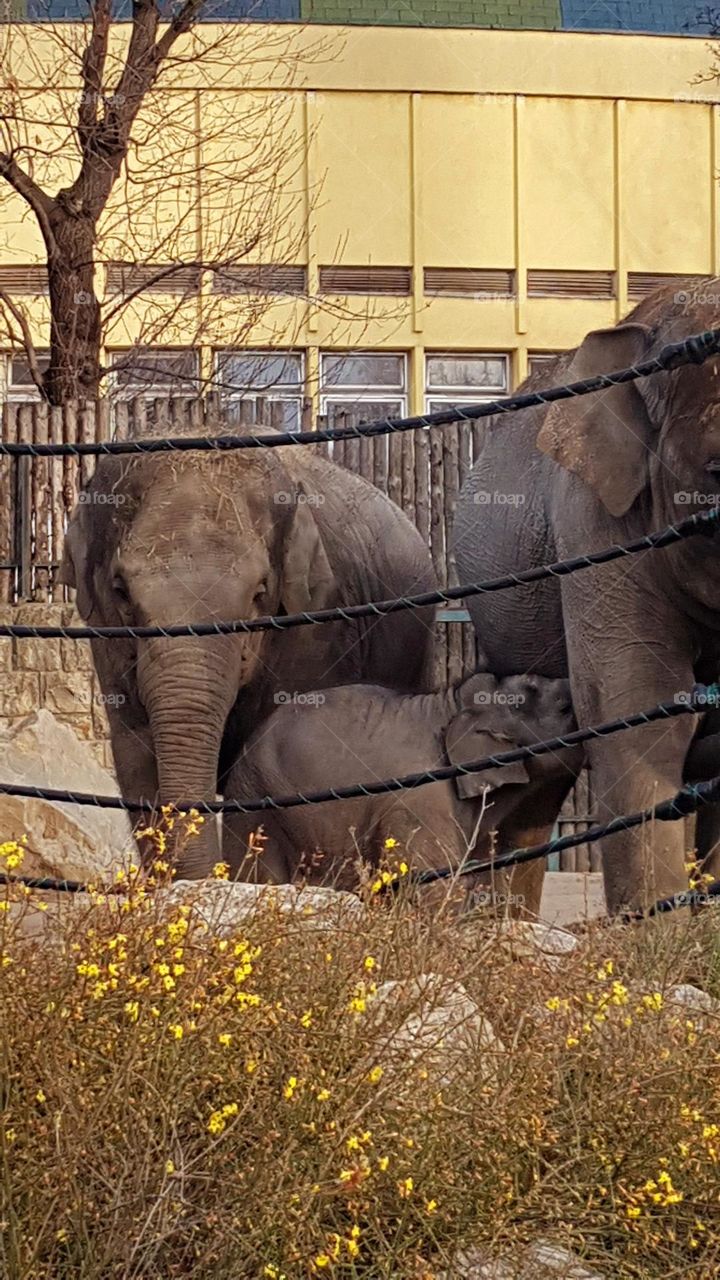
<point>74,568</point>
<point>606,437</point>
<point>467,738</point>
<point>307,581</point>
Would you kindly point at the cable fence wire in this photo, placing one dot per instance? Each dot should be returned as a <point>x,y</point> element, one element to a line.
<point>692,702</point>
<point>683,804</point>
<point>693,350</point>
<point>702,523</point>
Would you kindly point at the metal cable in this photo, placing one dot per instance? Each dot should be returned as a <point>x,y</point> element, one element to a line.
<point>703,523</point>
<point>694,702</point>
<point>694,350</point>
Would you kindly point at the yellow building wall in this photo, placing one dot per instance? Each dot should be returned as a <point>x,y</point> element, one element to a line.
<point>413,148</point>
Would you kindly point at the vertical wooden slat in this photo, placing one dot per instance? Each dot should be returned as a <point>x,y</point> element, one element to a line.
<point>380,463</point>
<point>407,444</point>
<point>195,411</point>
<point>40,486</point>
<point>23,553</point>
<point>103,422</point>
<point>450,459</point>
<point>120,414</point>
<point>86,435</point>
<point>8,512</point>
<point>437,543</point>
<point>139,418</point>
<point>70,466</point>
<point>465,459</point>
<point>422,485</point>
<point>57,504</point>
<point>366,459</point>
<point>394,484</point>
<point>352,446</point>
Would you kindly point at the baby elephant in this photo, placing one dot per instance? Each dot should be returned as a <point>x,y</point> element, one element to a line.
<point>364,733</point>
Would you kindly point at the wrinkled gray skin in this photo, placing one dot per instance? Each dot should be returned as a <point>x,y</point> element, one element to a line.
<point>197,537</point>
<point>363,733</point>
<point>585,474</point>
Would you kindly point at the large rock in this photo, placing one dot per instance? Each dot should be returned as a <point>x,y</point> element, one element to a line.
<point>541,1261</point>
<point>528,941</point>
<point>443,1031</point>
<point>74,842</point>
<point>226,906</point>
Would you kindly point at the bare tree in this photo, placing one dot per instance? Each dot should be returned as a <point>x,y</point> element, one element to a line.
<point>102,138</point>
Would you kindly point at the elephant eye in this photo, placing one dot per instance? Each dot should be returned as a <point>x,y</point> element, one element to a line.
<point>121,590</point>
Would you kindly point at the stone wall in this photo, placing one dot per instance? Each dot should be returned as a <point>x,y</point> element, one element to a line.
<point>53,674</point>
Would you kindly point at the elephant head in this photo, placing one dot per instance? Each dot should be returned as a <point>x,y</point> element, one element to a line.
<point>498,715</point>
<point>658,434</point>
<point>175,539</point>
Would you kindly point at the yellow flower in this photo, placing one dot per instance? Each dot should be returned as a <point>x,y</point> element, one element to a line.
<point>632,1211</point>
<point>225,1039</point>
<point>132,1009</point>
<point>369,962</point>
<point>431,1206</point>
<point>40,1096</point>
<point>290,1087</point>
<point>176,1030</point>
<point>406,1187</point>
<point>376,1075</point>
<point>221,871</point>
<point>383,1163</point>
<point>169,1167</point>
<point>653,1001</point>
<point>390,843</point>
<point>322,1260</point>
<point>553,1003</point>
<point>306,1018</point>
<point>403,868</point>
<point>571,1042</point>
<point>250,1066</point>
<point>323,1095</point>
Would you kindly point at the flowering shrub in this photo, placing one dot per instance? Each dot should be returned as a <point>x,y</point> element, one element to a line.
<point>176,1104</point>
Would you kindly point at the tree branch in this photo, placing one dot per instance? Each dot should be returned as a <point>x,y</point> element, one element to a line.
<point>28,344</point>
<point>92,70</point>
<point>40,202</point>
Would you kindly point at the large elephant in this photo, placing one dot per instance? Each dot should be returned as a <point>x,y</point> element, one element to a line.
<point>578,476</point>
<point>199,537</point>
<point>360,733</point>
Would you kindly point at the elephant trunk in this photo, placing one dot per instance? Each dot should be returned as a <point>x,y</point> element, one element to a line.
<point>188,688</point>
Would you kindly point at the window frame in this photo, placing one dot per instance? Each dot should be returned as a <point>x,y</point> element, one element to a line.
<point>437,399</point>
<point>365,393</point>
<point>18,393</point>
<point>280,392</point>
<point>151,390</point>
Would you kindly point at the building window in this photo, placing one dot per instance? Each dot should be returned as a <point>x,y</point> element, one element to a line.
<point>20,382</point>
<point>452,380</point>
<point>540,362</point>
<point>153,373</point>
<point>271,377</point>
<point>371,384</point>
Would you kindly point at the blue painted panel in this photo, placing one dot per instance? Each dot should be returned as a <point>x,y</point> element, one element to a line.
<point>214,10</point>
<point>679,17</point>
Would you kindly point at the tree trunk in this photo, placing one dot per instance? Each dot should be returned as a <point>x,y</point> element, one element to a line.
<point>75,332</point>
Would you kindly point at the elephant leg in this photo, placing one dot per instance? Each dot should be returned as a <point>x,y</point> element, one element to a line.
<point>518,890</point>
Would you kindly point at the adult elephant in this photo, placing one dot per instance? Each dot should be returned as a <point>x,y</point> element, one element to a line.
<point>580,475</point>
<point>159,539</point>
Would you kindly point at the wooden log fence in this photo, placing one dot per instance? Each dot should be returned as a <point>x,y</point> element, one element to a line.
<point>422,471</point>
